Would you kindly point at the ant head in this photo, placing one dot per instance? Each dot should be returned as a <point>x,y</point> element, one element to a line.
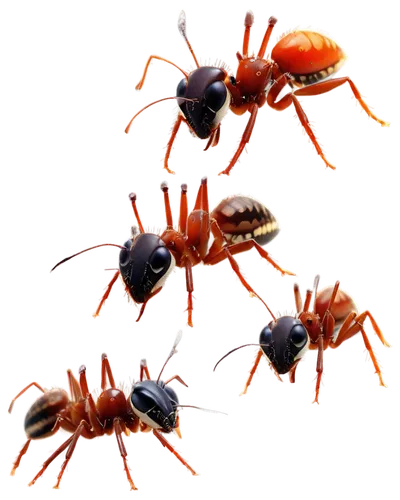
<point>284,341</point>
<point>145,263</point>
<point>211,99</point>
<point>155,404</point>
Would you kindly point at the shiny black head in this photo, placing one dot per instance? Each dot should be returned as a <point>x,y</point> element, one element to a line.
<point>145,263</point>
<point>155,404</point>
<point>283,342</point>
<point>211,99</point>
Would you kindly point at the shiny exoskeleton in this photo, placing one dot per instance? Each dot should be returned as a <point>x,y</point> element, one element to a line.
<point>237,224</point>
<point>334,319</point>
<point>302,58</point>
<point>151,406</point>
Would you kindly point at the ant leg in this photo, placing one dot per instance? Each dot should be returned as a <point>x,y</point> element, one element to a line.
<point>74,387</point>
<point>23,392</point>
<point>106,371</point>
<point>144,369</point>
<point>20,455</point>
<point>190,289</point>
<point>251,374</point>
<point>327,86</point>
<point>236,248</point>
<point>137,217</point>
<point>105,297</point>
<point>248,23</point>
<point>265,41</point>
<point>183,210</point>
<point>150,60</point>
<point>297,298</point>
<point>126,129</point>
<point>245,138</point>
<point>165,443</point>
<point>275,103</point>
<point>85,250</point>
<point>171,141</point>
<point>122,450</point>
<point>168,213</point>
<point>320,366</point>
<point>60,452</point>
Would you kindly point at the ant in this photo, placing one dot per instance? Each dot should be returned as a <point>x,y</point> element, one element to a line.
<point>333,320</point>
<point>302,58</point>
<point>237,224</point>
<point>152,405</point>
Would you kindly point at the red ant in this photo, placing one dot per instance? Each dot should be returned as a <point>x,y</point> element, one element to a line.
<point>152,405</point>
<point>333,320</point>
<point>237,224</point>
<point>302,58</point>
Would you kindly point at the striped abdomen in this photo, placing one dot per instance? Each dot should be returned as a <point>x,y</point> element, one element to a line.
<point>242,218</point>
<point>42,416</point>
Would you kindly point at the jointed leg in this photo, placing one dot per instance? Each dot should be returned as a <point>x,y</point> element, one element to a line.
<point>144,370</point>
<point>251,374</point>
<point>282,104</point>
<point>328,85</point>
<point>107,293</point>
<point>168,213</point>
<point>165,443</point>
<point>150,60</point>
<point>20,455</point>
<point>23,392</point>
<point>74,387</point>
<point>245,138</point>
<point>160,100</point>
<point>106,371</point>
<point>122,450</point>
<point>248,23</point>
<point>189,288</point>
<point>320,366</point>
<point>171,141</point>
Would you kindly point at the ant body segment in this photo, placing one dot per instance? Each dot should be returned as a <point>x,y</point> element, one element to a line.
<point>334,319</point>
<point>152,405</point>
<point>237,224</point>
<point>302,59</point>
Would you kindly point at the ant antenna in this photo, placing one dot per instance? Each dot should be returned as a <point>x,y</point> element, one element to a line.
<point>316,283</point>
<point>87,249</point>
<point>182,31</point>
<point>173,351</point>
<point>199,408</point>
<point>237,348</point>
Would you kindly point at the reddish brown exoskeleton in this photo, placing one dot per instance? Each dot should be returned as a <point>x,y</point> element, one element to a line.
<point>333,320</point>
<point>302,59</point>
<point>150,406</point>
<point>237,224</point>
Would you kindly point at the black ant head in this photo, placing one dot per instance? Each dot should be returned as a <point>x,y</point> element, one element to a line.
<point>211,99</point>
<point>155,404</point>
<point>284,341</point>
<point>145,263</point>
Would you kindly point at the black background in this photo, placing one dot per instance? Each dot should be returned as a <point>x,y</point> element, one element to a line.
<point>344,223</point>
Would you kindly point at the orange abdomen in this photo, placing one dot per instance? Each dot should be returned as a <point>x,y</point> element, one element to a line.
<point>308,56</point>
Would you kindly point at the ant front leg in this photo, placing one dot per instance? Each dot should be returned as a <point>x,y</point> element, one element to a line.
<point>252,372</point>
<point>171,141</point>
<point>165,443</point>
<point>253,109</point>
<point>281,104</point>
<point>318,89</point>
<point>106,294</point>
<point>150,60</point>
<point>118,433</point>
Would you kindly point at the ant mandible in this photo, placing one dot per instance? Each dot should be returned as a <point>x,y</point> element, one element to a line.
<point>333,320</point>
<point>237,224</point>
<point>152,405</point>
<point>302,58</point>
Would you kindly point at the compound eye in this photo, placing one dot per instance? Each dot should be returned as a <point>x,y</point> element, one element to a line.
<point>298,335</point>
<point>181,89</point>
<point>124,253</point>
<point>160,259</point>
<point>266,335</point>
<point>215,95</point>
